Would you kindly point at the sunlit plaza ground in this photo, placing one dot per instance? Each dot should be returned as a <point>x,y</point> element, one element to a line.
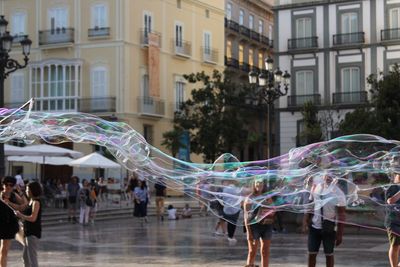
<point>183,243</point>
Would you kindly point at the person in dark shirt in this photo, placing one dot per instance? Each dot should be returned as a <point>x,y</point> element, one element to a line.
<point>160,188</point>
<point>393,220</point>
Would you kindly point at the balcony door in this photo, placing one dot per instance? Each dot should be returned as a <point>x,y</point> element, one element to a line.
<point>304,87</point>
<point>207,43</point>
<point>99,89</point>
<point>99,16</point>
<point>303,31</point>
<point>394,23</point>
<point>349,27</point>
<point>58,18</point>
<point>179,38</point>
<point>351,85</point>
<point>147,24</point>
<point>18,23</point>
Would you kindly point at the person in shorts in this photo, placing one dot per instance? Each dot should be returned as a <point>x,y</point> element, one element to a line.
<point>393,220</point>
<point>325,223</point>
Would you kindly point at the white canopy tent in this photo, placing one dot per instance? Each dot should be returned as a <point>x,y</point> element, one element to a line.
<point>38,159</point>
<point>94,160</point>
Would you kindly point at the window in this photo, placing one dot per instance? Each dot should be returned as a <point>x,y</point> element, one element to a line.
<point>303,28</point>
<point>251,22</point>
<point>207,43</point>
<point>58,18</point>
<point>178,35</point>
<point>229,11</point>
<point>351,79</point>
<point>241,53</point>
<point>229,48</point>
<point>148,133</point>
<point>251,57</point>
<point>394,18</point>
<point>18,23</point>
<point>207,13</point>
<point>349,22</point>
<point>99,16</point>
<point>270,32</point>
<point>304,82</point>
<point>17,93</point>
<point>56,87</point>
<point>147,23</point>
<point>260,60</point>
<point>99,82</point>
<point>179,95</point>
<point>260,26</point>
<point>241,17</point>
<point>145,85</point>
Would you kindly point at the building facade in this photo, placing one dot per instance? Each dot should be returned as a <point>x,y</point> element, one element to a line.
<point>330,47</point>
<point>248,42</point>
<point>118,59</point>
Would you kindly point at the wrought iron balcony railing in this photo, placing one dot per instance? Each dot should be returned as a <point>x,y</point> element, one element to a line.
<point>18,38</point>
<point>151,106</point>
<point>303,43</point>
<point>243,30</point>
<point>144,37</point>
<point>390,34</point>
<point>244,66</point>
<point>265,40</point>
<point>56,36</point>
<point>300,100</point>
<point>99,32</point>
<point>97,104</point>
<point>182,48</point>
<point>233,25</point>
<point>209,55</point>
<point>356,97</point>
<point>349,38</point>
<point>254,36</point>
<point>231,62</point>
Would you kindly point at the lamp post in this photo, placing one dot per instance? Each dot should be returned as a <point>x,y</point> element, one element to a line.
<point>270,85</point>
<point>7,66</point>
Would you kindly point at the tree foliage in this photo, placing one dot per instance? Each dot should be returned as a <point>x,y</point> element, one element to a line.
<point>211,116</point>
<point>312,132</point>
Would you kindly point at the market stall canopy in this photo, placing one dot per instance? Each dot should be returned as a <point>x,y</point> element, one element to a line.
<point>41,150</point>
<point>39,159</point>
<point>94,160</point>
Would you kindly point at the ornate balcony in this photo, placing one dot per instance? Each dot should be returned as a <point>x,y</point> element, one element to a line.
<point>232,25</point>
<point>151,106</point>
<point>97,104</point>
<point>99,32</point>
<point>209,55</point>
<point>231,62</point>
<point>388,35</point>
<point>350,98</point>
<point>265,40</point>
<point>348,39</point>
<point>144,37</point>
<point>303,43</point>
<point>243,30</point>
<point>300,100</point>
<point>182,48</point>
<point>56,36</point>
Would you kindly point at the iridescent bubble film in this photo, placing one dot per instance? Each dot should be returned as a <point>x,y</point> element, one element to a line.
<point>357,172</point>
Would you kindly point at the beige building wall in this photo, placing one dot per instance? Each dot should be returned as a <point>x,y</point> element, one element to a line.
<point>115,56</point>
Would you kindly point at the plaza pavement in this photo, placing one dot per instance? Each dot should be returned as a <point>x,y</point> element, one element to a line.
<point>190,242</point>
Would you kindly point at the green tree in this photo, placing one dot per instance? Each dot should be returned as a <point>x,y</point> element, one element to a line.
<point>312,131</point>
<point>382,116</point>
<point>172,140</point>
<point>211,116</point>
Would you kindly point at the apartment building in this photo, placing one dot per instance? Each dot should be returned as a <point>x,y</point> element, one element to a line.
<point>248,42</point>
<point>121,60</point>
<point>330,47</point>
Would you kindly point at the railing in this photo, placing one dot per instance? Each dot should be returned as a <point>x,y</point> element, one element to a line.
<point>300,100</point>
<point>97,104</point>
<point>151,106</point>
<point>56,36</point>
<point>182,48</point>
<point>231,62</point>
<point>18,38</point>
<point>209,55</point>
<point>233,25</point>
<point>243,30</point>
<point>265,40</point>
<point>144,37</point>
<point>357,97</point>
<point>244,66</point>
<point>254,36</point>
<point>348,38</point>
<point>99,32</point>
<point>303,43</point>
<point>390,34</point>
<point>14,104</point>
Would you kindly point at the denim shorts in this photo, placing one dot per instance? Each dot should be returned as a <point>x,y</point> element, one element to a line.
<point>261,231</point>
<point>315,237</point>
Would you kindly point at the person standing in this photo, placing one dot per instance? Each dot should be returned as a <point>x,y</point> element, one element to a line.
<point>393,220</point>
<point>85,203</point>
<point>258,226</point>
<point>20,180</point>
<point>325,223</point>
<point>72,196</point>
<point>10,201</point>
<point>32,217</point>
<point>161,189</point>
<point>141,198</point>
<point>231,210</point>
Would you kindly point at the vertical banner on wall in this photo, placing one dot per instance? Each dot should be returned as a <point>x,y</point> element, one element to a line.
<point>184,151</point>
<point>154,64</point>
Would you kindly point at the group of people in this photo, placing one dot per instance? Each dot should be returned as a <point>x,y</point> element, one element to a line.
<point>20,214</point>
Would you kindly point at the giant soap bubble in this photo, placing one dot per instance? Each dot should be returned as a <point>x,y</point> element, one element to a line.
<point>357,171</point>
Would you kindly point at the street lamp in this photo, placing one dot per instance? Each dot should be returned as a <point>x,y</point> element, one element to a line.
<point>7,66</point>
<point>270,85</point>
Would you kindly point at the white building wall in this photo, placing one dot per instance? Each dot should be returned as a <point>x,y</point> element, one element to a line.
<point>285,29</point>
<point>288,130</point>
